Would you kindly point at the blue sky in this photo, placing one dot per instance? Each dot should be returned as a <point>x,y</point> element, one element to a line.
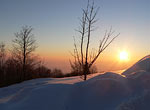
<point>55,21</point>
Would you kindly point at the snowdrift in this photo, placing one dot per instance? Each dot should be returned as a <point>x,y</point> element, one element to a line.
<point>46,94</point>
<point>143,64</point>
<point>136,103</point>
<point>108,91</point>
<point>103,92</point>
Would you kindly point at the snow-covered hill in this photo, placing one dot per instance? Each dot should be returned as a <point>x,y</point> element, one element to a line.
<point>141,65</point>
<point>65,94</point>
<point>108,91</point>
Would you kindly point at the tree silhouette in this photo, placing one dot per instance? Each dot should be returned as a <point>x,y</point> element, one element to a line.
<point>24,45</point>
<point>2,54</point>
<point>83,59</point>
<point>2,62</point>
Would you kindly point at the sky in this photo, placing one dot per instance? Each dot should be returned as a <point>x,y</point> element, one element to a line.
<point>55,21</point>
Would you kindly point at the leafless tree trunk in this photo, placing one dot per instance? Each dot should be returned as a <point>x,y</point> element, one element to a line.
<point>2,54</point>
<point>24,45</point>
<point>84,58</point>
<point>2,62</point>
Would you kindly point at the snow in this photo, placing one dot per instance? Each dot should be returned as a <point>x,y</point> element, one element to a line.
<point>143,64</point>
<point>137,103</point>
<point>65,94</point>
<point>102,91</point>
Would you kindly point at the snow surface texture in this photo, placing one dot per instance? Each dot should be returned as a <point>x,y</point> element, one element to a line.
<point>141,65</point>
<point>108,91</point>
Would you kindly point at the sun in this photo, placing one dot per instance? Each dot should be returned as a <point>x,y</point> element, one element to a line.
<point>123,55</point>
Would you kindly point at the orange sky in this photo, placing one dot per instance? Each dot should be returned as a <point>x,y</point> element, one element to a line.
<point>54,23</point>
<point>108,60</point>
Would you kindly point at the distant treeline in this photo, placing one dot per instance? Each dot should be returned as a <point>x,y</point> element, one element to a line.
<point>20,63</point>
<point>11,70</point>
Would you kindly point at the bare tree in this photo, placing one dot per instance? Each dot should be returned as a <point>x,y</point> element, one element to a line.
<point>83,59</point>
<point>2,54</point>
<point>24,45</point>
<point>2,62</point>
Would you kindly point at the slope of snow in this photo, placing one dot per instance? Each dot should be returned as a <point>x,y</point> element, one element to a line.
<point>65,94</point>
<point>143,64</point>
<point>106,91</point>
<point>109,75</point>
<point>103,92</point>
<point>137,103</point>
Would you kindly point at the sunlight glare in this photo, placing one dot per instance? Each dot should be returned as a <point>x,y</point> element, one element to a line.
<point>123,56</point>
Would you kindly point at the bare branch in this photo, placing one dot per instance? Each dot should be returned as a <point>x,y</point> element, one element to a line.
<point>24,45</point>
<point>84,59</point>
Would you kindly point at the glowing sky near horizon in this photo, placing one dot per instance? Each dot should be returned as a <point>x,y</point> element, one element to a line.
<point>55,21</point>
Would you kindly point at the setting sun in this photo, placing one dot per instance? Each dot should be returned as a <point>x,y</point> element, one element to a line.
<point>123,55</point>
